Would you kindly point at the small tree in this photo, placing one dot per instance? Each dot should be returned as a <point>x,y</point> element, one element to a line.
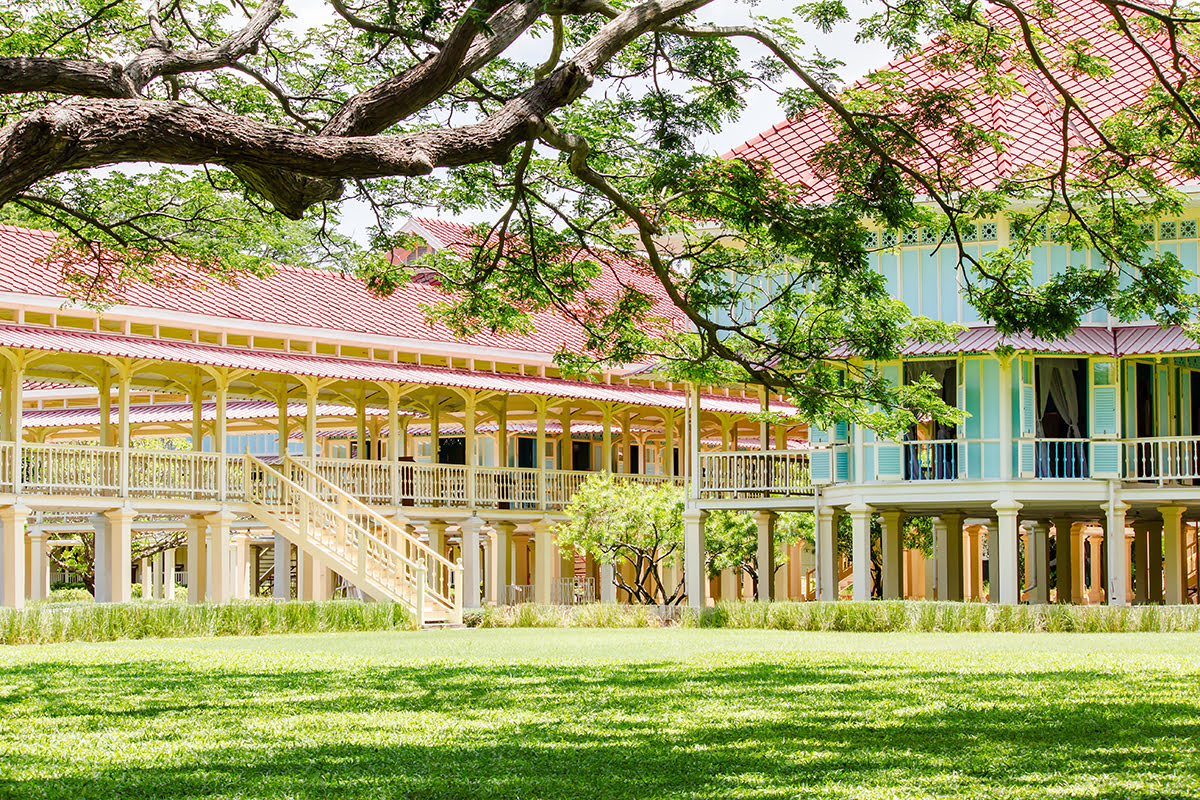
<point>615,521</point>
<point>731,539</point>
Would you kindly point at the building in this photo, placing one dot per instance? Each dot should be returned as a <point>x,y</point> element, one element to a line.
<point>1093,439</point>
<point>301,416</point>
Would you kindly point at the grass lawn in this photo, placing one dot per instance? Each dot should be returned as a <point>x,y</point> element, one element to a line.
<point>570,713</point>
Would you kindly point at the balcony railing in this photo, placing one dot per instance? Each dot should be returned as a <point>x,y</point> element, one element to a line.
<point>1166,458</point>
<point>1062,458</point>
<point>934,460</point>
<point>755,474</point>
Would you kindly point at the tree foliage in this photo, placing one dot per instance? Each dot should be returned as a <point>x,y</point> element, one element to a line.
<point>573,124</point>
<point>620,521</point>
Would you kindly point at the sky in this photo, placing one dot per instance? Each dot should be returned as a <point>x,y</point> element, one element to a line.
<point>762,110</point>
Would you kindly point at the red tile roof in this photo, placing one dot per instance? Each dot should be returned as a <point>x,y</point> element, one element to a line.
<point>63,340</point>
<point>147,413</point>
<point>1030,117</point>
<point>309,297</point>
<point>1089,340</point>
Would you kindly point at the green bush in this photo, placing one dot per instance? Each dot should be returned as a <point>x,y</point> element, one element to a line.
<point>72,595</point>
<point>102,622</point>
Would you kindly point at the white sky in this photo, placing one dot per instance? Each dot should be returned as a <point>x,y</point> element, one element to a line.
<point>762,110</point>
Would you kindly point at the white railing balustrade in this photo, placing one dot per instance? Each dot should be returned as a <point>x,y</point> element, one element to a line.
<point>173,474</point>
<point>443,485</point>
<point>1166,458</point>
<point>562,485</point>
<point>516,594</point>
<point>573,591</point>
<point>68,469</point>
<point>501,487</point>
<point>755,474</point>
<point>385,537</point>
<point>1062,458</point>
<point>931,460</point>
<point>6,466</point>
<point>368,480</point>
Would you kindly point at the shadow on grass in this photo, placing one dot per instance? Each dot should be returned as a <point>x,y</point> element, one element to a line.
<point>759,730</point>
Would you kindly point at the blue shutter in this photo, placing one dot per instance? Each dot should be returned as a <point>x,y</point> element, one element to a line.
<point>889,455</point>
<point>1104,411</point>
<point>1106,458</point>
<point>1185,402</point>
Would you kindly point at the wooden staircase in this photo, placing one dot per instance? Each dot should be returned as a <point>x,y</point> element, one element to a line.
<point>345,535</point>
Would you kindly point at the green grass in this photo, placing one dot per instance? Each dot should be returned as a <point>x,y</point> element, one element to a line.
<point>589,713</point>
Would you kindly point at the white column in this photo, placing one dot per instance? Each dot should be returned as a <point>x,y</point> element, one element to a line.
<point>12,556</point>
<point>860,538</point>
<point>241,567</point>
<point>1172,535</point>
<point>545,554</point>
<point>765,520</point>
<point>1141,549</point>
<point>168,574</point>
<point>893,554</point>
<point>608,585</point>
<point>436,533</point>
<point>1038,554</point>
<point>947,530</point>
<point>826,554</point>
<point>157,568</point>
<point>993,545</point>
<point>1008,573</point>
<point>39,572</point>
<point>113,557</point>
<point>695,572</point>
<point>197,560</point>
<point>1118,567</point>
<point>282,570</point>
<point>469,554</point>
<point>501,549</point>
<point>220,581</point>
<point>146,573</point>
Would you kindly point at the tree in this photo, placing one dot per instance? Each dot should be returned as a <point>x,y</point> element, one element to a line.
<point>80,559</point>
<point>261,131</point>
<point>731,541</point>
<point>627,521</point>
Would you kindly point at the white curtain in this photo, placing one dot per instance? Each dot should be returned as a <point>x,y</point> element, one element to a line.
<point>1058,381</point>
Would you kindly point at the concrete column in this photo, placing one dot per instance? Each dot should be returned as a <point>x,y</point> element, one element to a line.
<point>993,548</point>
<point>469,554</point>
<point>892,553</point>
<point>1008,573</point>
<point>436,533</point>
<point>220,579</point>
<point>1095,581</point>
<point>39,567</point>
<point>545,555</point>
<point>826,554</point>
<point>695,572</point>
<point>306,576</point>
<point>12,556</point>
<point>608,586</point>
<point>729,584</point>
<point>1037,553</point>
<point>241,567</point>
<point>1154,562</point>
<point>1064,569</point>
<point>146,573</point>
<point>157,567</point>
<point>1173,553</point>
<point>197,559</point>
<point>973,556</point>
<point>765,520</point>
<point>168,573</point>
<point>1118,567</point>
<point>501,550</point>
<point>113,557</point>
<point>282,555</point>
<point>1141,557</point>
<point>860,538</point>
<point>948,541</point>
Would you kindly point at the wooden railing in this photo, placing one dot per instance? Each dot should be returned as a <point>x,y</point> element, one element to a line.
<point>755,474</point>
<point>1062,458</point>
<point>335,538</point>
<point>1164,458</point>
<point>444,577</point>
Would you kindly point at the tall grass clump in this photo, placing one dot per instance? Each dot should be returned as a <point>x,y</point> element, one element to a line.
<point>893,616</point>
<point>102,622</point>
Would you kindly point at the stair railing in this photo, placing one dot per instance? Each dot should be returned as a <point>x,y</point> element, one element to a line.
<point>444,577</point>
<point>352,547</point>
